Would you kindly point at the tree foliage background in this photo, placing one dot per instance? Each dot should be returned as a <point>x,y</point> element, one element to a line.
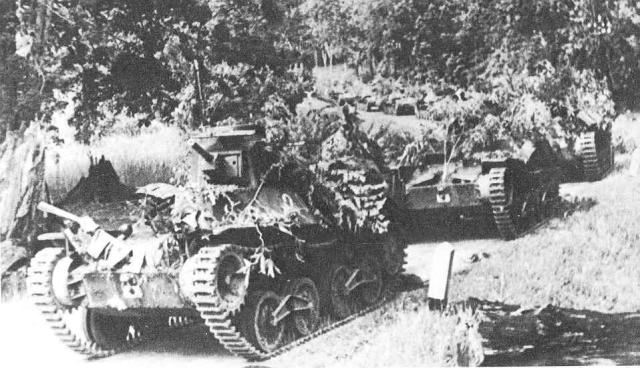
<point>468,42</point>
<point>199,62</point>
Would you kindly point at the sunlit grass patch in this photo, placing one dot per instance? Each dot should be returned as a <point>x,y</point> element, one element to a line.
<point>588,260</point>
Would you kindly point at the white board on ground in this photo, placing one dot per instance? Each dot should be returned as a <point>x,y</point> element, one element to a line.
<point>441,272</point>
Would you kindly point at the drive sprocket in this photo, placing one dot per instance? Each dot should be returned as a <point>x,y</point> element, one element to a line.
<point>217,277</point>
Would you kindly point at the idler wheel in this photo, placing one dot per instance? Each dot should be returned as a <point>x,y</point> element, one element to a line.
<point>306,305</point>
<point>259,322</point>
<point>370,282</point>
<point>394,253</point>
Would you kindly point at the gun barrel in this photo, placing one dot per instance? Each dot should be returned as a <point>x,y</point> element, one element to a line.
<point>203,152</point>
<point>46,207</point>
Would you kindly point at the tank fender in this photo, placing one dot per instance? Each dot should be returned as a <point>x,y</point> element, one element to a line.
<point>487,165</point>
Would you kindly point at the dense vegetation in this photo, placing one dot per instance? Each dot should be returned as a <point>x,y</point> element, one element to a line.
<point>195,62</point>
<point>471,42</point>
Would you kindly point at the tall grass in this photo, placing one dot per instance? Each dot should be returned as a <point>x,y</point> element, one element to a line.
<point>154,155</point>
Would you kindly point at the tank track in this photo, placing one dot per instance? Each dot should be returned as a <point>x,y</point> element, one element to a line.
<point>38,287</point>
<point>225,325</point>
<point>499,206</point>
<point>38,281</point>
<point>593,169</point>
<point>501,209</point>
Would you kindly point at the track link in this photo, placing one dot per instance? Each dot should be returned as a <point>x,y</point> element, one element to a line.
<point>594,167</point>
<point>500,207</point>
<point>589,156</point>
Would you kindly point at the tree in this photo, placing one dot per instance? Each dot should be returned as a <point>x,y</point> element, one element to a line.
<point>189,61</point>
<point>23,99</point>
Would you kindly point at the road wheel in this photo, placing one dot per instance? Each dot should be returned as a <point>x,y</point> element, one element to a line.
<point>306,304</point>
<point>257,317</point>
<point>370,291</point>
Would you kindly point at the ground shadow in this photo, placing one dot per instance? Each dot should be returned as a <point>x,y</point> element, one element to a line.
<point>193,340</point>
<point>425,228</point>
<point>557,336</point>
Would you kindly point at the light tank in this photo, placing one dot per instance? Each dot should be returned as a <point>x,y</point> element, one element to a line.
<point>398,103</point>
<point>512,194</point>
<point>245,249</point>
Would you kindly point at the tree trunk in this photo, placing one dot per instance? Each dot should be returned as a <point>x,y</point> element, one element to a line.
<point>21,188</point>
<point>324,58</point>
<point>21,149</point>
<point>371,63</point>
<point>21,184</point>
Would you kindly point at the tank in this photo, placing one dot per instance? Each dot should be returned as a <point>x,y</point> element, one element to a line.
<point>245,249</point>
<point>370,99</point>
<point>512,194</point>
<point>397,103</point>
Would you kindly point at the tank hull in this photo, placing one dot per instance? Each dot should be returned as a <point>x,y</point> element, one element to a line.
<point>257,250</point>
<point>125,290</point>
